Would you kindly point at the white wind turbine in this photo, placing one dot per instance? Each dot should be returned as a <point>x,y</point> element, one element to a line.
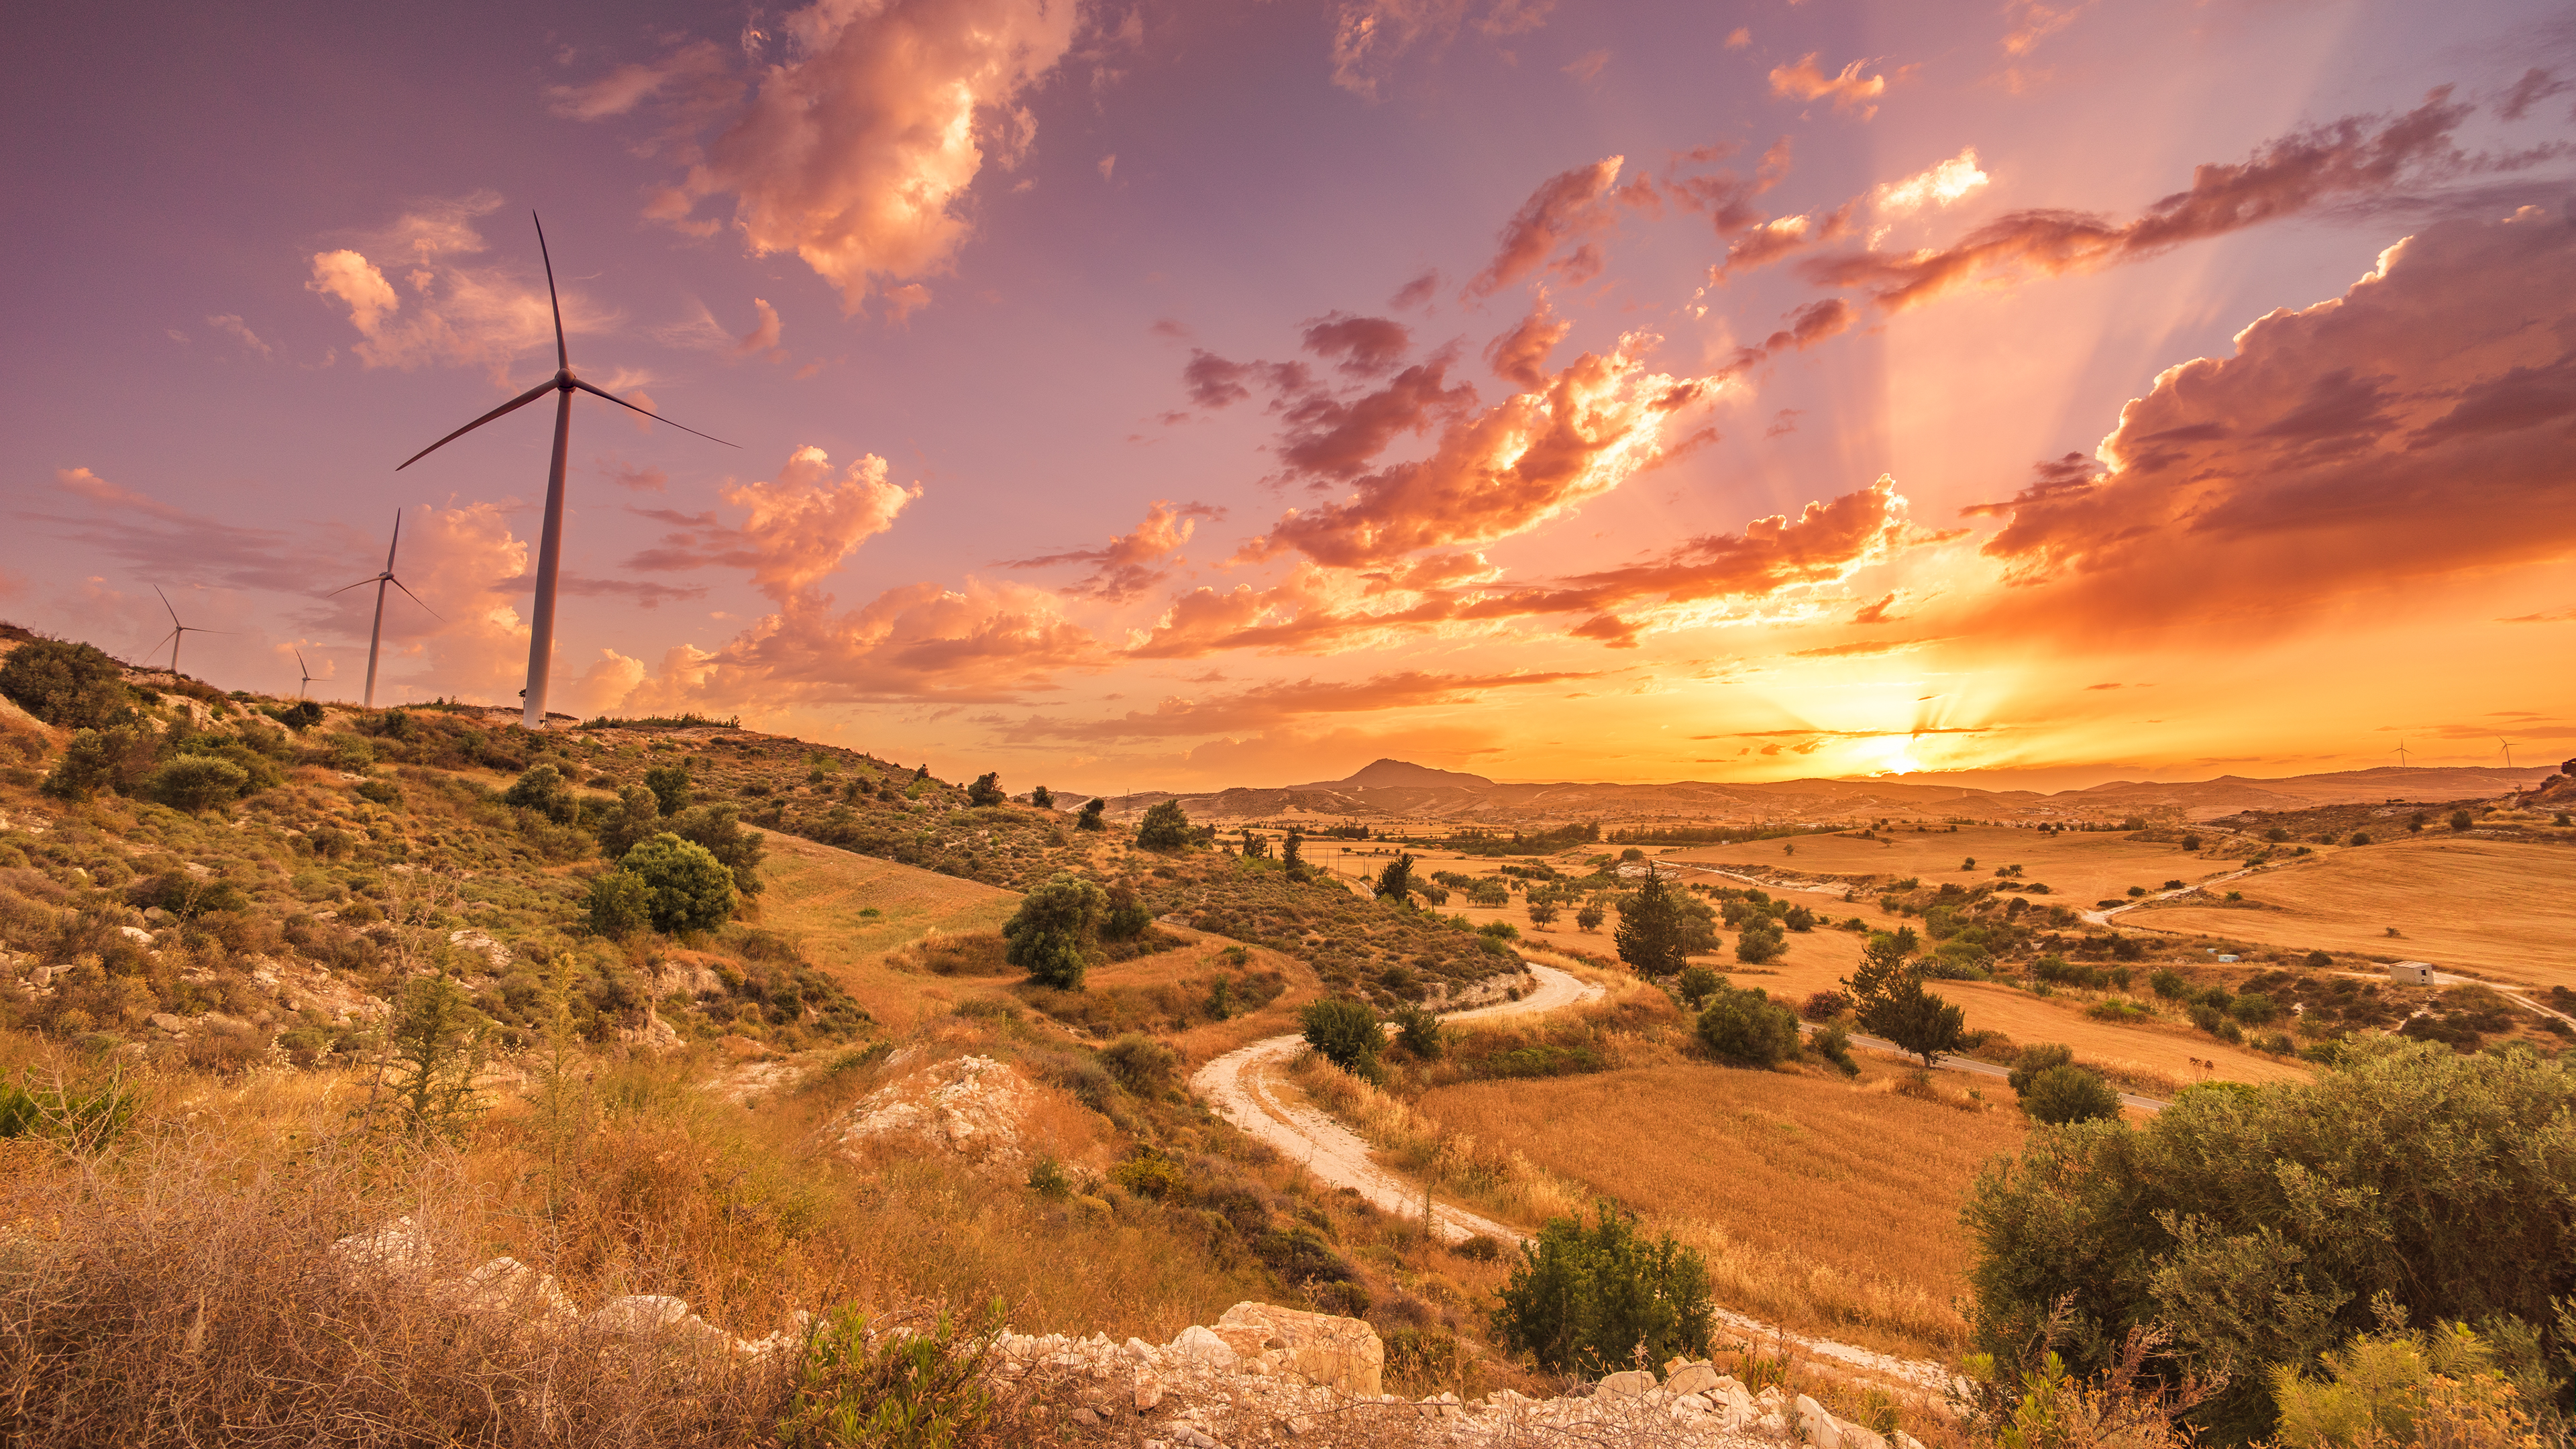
<point>178,632</point>
<point>376,636</point>
<point>541,634</point>
<point>307,671</point>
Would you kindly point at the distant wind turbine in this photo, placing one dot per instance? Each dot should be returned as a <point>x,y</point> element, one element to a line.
<point>2508,751</point>
<point>2401,754</point>
<point>541,636</point>
<point>307,670</point>
<point>376,636</point>
<point>178,631</point>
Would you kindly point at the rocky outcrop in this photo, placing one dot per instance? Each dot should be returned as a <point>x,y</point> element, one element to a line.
<point>1338,1353</point>
<point>971,1106</point>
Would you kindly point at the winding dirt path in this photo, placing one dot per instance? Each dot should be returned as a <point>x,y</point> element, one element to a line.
<point>1242,1087</point>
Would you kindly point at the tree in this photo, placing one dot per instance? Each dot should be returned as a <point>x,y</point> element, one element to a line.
<point>1761,941</point>
<point>300,716</point>
<point>67,685</point>
<point>1918,1021</point>
<point>1650,935</point>
<point>2265,1225</point>
<point>2462,820</point>
<point>1396,883</point>
<point>1542,912</point>
<point>1292,853</point>
<point>1056,930</point>
<point>620,904</point>
<point>1417,1031</point>
<point>2068,1093</point>
<point>717,829</point>
<point>1254,847</point>
<point>636,818</point>
<point>1091,816</point>
<point>543,788</point>
<point>691,889</point>
<point>987,789</point>
<point>1598,1298</point>
<point>670,787</point>
<point>1697,985</point>
<point>1748,1028</point>
<point>1590,916</point>
<point>1166,827</point>
<point>2035,1059</point>
<point>198,783</point>
<point>921,776</point>
<point>1042,797</point>
<point>1345,1032</point>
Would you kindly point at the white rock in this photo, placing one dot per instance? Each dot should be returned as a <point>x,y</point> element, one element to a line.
<point>1201,1345</point>
<point>510,1284</point>
<point>135,933</point>
<point>397,1247</point>
<point>1816,1426</point>
<point>1857,1437</point>
<point>1689,1378</point>
<point>1630,1384</point>
<point>638,1313</point>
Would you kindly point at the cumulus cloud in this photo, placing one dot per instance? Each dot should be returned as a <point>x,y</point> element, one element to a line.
<point>1849,90</point>
<point>1726,195</point>
<point>796,529</point>
<point>1520,355</point>
<point>2418,425</point>
<point>1127,565</point>
<point>449,310</point>
<point>858,150</point>
<point>1366,346</point>
<point>1568,210</point>
<point>1940,185</point>
<point>2337,161</point>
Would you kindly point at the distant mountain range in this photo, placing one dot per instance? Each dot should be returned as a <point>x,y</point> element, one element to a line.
<point>1389,791</point>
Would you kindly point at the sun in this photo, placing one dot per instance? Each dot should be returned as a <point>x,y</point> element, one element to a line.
<point>1897,757</point>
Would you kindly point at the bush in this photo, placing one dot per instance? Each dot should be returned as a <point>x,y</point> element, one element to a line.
<point>1418,1032</point>
<point>2068,1093</point>
<point>1345,1032</point>
<point>1141,1064</point>
<point>1091,816</point>
<point>717,829</point>
<point>1833,1043</point>
<point>1054,932</point>
<point>543,788</point>
<point>1748,1028</point>
<point>1592,1300</point>
<point>2171,985</point>
<point>620,904</point>
<point>670,787</point>
<point>2320,961</point>
<point>986,790</point>
<point>198,783</point>
<point>2035,1059</point>
<point>2405,1181</point>
<point>905,1391</point>
<point>1825,1005</point>
<point>1697,984</point>
<point>1166,827</point>
<point>67,685</point>
<point>691,889</point>
<point>2462,820</point>
<point>1759,944</point>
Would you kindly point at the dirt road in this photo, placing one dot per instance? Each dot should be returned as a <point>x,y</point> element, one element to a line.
<point>1241,1086</point>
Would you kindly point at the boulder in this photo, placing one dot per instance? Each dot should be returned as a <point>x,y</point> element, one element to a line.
<point>972,1106</point>
<point>507,1283</point>
<point>1816,1426</point>
<point>1199,1345</point>
<point>397,1247</point>
<point>1337,1353</point>
<point>1627,1384</point>
<point>1681,1378</point>
<point>639,1313</point>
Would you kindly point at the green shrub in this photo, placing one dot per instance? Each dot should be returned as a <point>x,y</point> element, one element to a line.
<point>1166,827</point>
<point>1760,943</point>
<point>670,787</point>
<point>1599,1298</point>
<point>1141,1064</point>
<point>1345,1031</point>
<point>986,790</point>
<point>1697,984</point>
<point>198,783</point>
<point>1833,1043</point>
<point>2035,1059</point>
<point>2267,1225</point>
<point>1748,1028</point>
<point>620,904</point>
<point>691,889</point>
<point>717,829</point>
<point>2069,1093</point>
<point>921,1390</point>
<point>1149,1174</point>
<point>67,685</point>
<point>2171,985</point>
<point>1054,932</point>
<point>543,788</point>
<point>1418,1032</point>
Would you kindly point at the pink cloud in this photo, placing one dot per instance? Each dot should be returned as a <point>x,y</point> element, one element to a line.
<point>447,310</point>
<point>796,530</point>
<point>1849,90</point>
<point>1125,568</point>
<point>1568,209</point>
<point>1520,355</point>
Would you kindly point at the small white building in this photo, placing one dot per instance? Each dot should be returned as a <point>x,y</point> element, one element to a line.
<point>2413,973</point>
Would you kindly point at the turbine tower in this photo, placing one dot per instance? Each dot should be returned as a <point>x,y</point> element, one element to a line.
<point>541,634</point>
<point>376,636</point>
<point>178,632</point>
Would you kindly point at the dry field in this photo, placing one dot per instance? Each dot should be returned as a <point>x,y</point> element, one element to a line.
<point>1821,1205</point>
<point>2078,868</point>
<point>821,896</point>
<point>2499,908</point>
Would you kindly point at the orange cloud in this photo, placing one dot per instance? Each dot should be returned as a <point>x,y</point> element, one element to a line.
<point>1520,355</point>
<point>1849,90</point>
<point>456,313</point>
<point>2417,425</point>
<point>1369,35</point>
<point>796,529</point>
<point>1567,209</point>
<point>1125,568</point>
<point>2285,177</point>
<point>856,152</point>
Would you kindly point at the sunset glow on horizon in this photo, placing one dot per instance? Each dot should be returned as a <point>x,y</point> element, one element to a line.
<point>1177,396</point>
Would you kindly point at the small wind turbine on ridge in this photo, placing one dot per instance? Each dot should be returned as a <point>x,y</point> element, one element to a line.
<point>376,636</point>
<point>307,670</point>
<point>2508,751</point>
<point>2401,754</point>
<point>541,634</point>
<point>178,632</point>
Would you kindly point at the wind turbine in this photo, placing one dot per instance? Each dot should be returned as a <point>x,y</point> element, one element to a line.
<point>2508,751</point>
<point>541,636</point>
<point>179,631</point>
<point>307,670</point>
<point>2401,754</point>
<point>376,635</point>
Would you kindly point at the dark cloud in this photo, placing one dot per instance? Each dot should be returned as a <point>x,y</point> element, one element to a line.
<point>1363,345</point>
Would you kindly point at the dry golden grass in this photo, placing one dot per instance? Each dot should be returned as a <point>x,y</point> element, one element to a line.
<point>2078,868</point>
<point>2496,907</point>
<point>819,895</point>
<point>1821,1205</point>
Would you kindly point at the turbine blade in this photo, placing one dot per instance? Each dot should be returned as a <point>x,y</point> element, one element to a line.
<point>174,614</point>
<point>360,584</point>
<point>397,543</point>
<point>657,417</point>
<point>563,359</point>
<point>522,400</point>
<point>415,598</point>
<point>307,669</point>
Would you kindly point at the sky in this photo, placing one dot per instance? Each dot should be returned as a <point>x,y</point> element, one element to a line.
<point>1143,394</point>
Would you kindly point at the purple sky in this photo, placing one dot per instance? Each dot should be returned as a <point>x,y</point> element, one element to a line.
<point>1118,287</point>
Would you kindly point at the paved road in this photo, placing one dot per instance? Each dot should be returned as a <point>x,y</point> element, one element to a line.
<point>1240,1086</point>
<point>2103,917</point>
